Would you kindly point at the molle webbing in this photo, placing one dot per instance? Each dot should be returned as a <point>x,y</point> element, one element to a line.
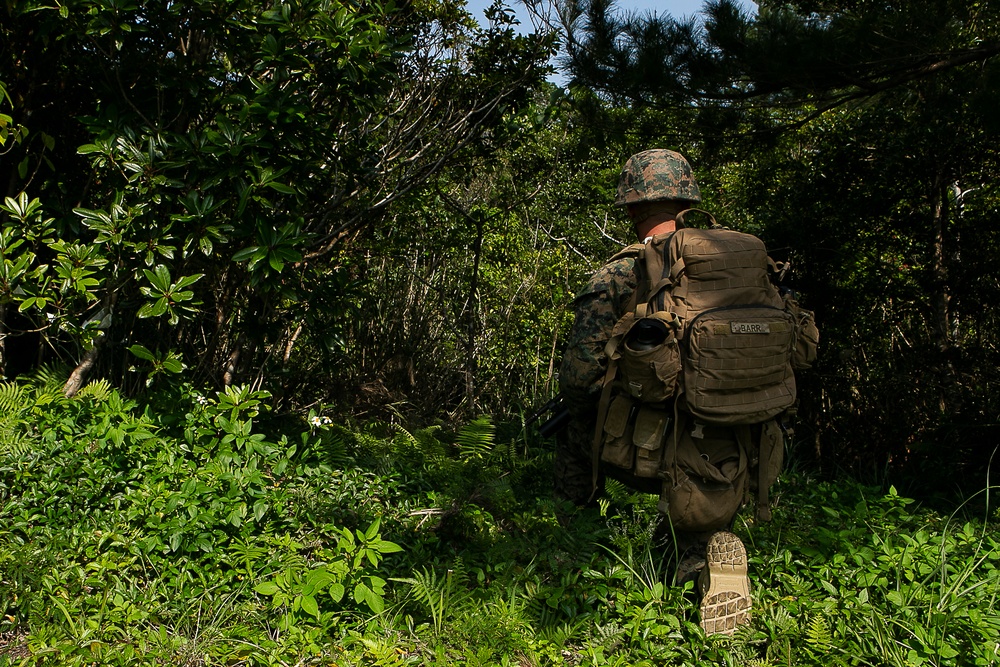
<point>708,268</point>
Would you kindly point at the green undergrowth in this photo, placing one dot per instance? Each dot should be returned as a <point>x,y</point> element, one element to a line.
<point>197,529</point>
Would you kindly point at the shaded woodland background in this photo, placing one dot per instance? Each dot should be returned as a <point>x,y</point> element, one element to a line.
<point>384,209</point>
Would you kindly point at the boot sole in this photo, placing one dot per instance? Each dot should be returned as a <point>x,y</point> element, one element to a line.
<point>725,588</point>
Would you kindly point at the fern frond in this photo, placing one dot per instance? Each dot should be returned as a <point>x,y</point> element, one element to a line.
<point>48,382</point>
<point>615,489</point>
<point>475,439</point>
<point>429,443</point>
<point>609,632</point>
<point>99,390</point>
<point>442,596</point>
<point>50,378</point>
<point>13,398</point>
<point>784,621</point>
<point>334,447</point>
<point>818,636</point>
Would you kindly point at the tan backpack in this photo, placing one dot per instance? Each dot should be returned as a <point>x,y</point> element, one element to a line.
<point>699,370</point>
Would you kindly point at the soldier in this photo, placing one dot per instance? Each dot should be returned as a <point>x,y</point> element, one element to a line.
<point>654,186</point>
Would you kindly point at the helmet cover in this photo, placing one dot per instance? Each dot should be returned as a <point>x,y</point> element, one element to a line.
<point>656,175</point>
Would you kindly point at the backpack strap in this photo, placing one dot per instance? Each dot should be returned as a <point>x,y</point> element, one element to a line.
<point>632,250</point>
<point>649,262</point>
<point>637,304</point>
<point>654,265</point>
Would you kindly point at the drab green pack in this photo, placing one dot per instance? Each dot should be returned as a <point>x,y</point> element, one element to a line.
<point>706,340</point>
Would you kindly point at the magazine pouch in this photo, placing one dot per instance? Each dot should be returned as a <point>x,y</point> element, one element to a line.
<point>618,448</point>
<point>649,435</point>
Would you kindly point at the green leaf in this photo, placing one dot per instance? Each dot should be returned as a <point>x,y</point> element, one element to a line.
<point>281,187</point>
<point>160,277</point>
<point>310,606</point>
<point>387,547</point>
<point>268,588</point>
<point>173,365</point>
<point>205,246</point>
<point>319,579</point>
<point>153,309</point>
<point>373,529</point>
<point>946,651</point>
<point>28,303</point>
<point>142,352</point>
<point>188,280</point>
<point>245,254</point>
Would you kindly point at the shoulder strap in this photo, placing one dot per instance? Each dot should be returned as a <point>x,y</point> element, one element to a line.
<point>632,250</point>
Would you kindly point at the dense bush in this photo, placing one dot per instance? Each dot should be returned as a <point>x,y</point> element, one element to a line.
<point>197,529</point>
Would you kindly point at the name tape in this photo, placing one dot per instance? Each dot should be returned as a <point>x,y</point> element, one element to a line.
<point>750,327</point>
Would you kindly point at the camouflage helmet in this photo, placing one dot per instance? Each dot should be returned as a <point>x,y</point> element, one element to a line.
<point>656,175</point>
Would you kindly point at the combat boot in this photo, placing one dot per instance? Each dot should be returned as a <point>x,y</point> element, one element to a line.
<point>724,586</point>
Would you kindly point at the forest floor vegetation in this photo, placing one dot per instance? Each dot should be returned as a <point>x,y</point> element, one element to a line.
<point>198,529</point>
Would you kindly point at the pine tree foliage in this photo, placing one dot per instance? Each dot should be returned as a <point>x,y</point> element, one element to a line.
<point>826,53</point>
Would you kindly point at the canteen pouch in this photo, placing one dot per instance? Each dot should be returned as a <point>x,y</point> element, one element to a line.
<point>650,359</point>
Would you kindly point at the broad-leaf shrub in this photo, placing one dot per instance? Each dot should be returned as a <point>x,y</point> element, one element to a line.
<point>114,524</point>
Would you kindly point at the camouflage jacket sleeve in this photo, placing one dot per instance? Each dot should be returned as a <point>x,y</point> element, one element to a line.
<point>601,303</point>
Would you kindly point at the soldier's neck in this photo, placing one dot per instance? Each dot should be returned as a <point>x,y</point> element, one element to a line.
<point>652,226</point>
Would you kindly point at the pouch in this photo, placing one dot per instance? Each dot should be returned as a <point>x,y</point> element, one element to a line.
<point>707,483</point>
<point>618,449</point>
<point>806,335</point>
<point>650,358</point>
<point>649,434</point>
<point>738,368</point>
